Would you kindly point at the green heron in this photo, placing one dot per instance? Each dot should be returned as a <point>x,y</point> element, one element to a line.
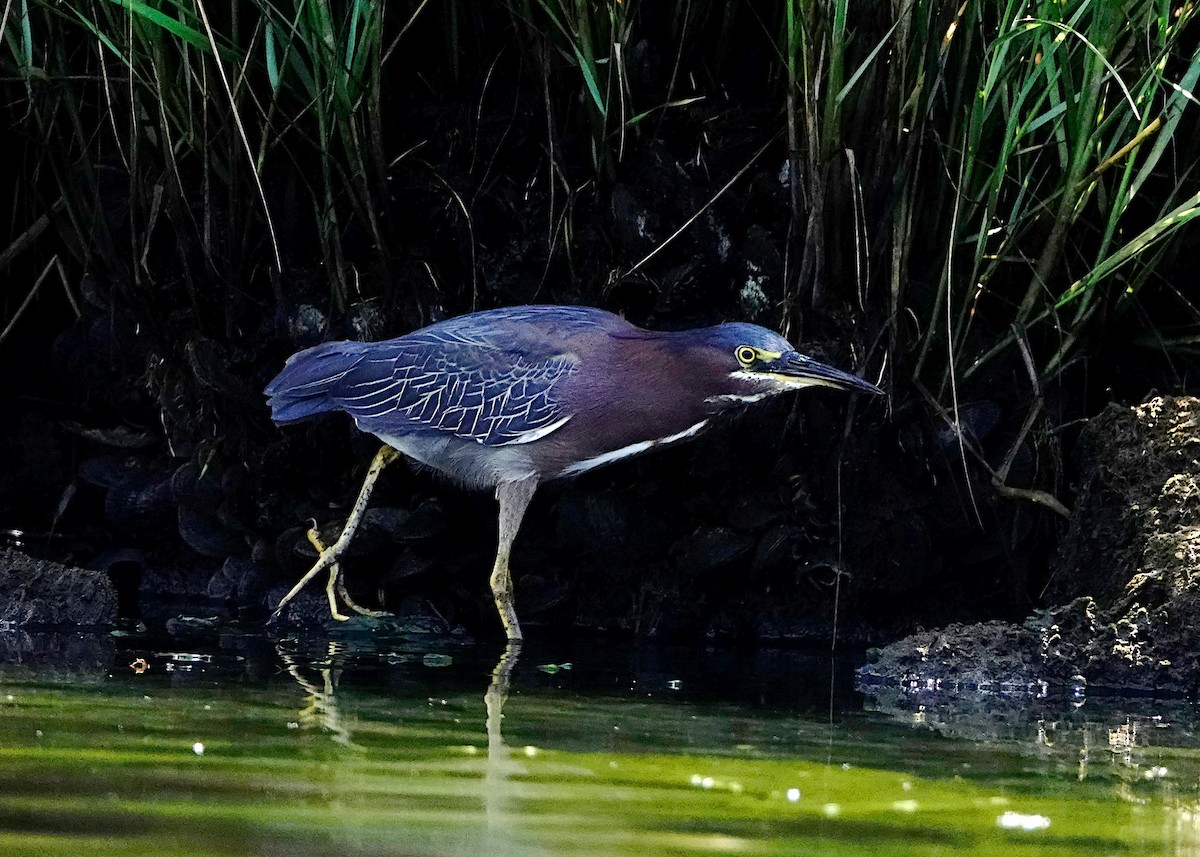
<point>509,398</point>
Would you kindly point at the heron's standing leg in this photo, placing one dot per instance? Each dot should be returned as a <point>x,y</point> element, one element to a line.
<point>329,556</point>
<point>514,499</point>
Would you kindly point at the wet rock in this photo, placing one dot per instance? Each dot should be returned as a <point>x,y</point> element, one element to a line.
<point>119,561</point>
<point>206,534</point>
<point>124,567</point>
<point>380,529</point>
<point>424,522</point>
<point>35,592</point>
<point>418,616</point>
<point>97,357</point>
<point>1134,544</point>
<point>240,579</point>
<point>537,593</point>
<point>141,504</point>
<point>306,325</point>
<point>165,587</point>
<point>192,483</point>
<point>118,437</point>
<point>291,550</point>
<point>224,369</point>
<point>596,520</point>
<point>778,549</point>
<point>984,657</point>
<point>104,471</point>
<point>308,609</point>
<point>185,625</point>
<point>405,566</point>
<point>367,540</point>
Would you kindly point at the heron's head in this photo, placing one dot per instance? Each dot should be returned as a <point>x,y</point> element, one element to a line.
<point>758,363</point>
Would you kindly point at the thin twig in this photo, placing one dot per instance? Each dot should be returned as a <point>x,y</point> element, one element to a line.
<point>396,41</point>
<point>704,207</point>
<point>1033,495</point>
<point>29,235</point>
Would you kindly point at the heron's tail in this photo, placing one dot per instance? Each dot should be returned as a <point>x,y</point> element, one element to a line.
<point>303,388</point>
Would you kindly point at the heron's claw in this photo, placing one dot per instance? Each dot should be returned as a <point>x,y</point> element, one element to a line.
<point>328,556</point>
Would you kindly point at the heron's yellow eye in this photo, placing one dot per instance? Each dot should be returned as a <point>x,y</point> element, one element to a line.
<point>745,355</point>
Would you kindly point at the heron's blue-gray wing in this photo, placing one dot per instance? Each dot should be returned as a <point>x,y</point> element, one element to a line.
<point>469,387</point>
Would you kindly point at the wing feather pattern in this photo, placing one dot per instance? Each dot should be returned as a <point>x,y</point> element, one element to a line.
<point>493,377</point>
<point>467,388</point>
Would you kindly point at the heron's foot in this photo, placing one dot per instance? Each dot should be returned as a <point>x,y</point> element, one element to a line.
<point>328,558</point>
<point>357,608</point>
<point>336,588</point>
<point>335,574</point>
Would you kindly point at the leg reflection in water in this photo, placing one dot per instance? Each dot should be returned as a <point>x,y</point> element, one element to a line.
<point>403,738</point>
<point>500,766</point>
<point>321,708</point>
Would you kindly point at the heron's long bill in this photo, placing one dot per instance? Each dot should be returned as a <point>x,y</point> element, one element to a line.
<point>805,372</point>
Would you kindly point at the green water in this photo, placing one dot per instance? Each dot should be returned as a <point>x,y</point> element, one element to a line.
<point>237,745</point>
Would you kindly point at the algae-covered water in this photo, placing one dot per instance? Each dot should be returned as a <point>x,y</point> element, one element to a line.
<point>232,744</point>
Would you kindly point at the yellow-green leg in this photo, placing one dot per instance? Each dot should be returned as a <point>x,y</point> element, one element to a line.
<point>329,556</point>
<point>514,499</point>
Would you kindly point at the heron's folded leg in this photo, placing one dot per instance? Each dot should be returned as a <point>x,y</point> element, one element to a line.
<point>514,499</point>
<point>329,556</point>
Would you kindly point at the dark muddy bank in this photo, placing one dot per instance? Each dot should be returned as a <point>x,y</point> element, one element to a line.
<point>136,442</point>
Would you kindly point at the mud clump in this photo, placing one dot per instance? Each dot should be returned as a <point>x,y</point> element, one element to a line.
<point>1127,577</point>
<point>1137,512</point>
